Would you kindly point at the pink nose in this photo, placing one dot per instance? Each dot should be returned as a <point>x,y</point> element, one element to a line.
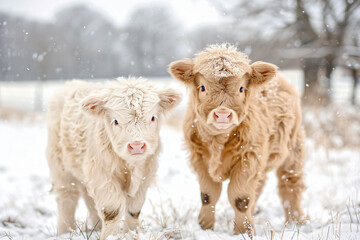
<point>136,148</point>
<point>222,117</point>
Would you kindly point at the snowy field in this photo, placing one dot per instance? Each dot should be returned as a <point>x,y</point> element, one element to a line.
<point>28,209</point>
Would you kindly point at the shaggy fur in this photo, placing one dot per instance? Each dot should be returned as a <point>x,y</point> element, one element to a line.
<point>87,149</point>
<point>265,132</point>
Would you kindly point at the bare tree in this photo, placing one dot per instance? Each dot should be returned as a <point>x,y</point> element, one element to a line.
<point>317,31</point>
<point>153,39</point>
<point>336,17</point>
<point>88,41</point>
<point>83,43</point>
<point>354,66</point>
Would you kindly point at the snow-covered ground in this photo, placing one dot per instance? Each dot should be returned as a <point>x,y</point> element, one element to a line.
<point>28,209</point>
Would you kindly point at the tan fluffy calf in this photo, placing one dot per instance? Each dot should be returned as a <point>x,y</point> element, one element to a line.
<point>242,121</point>
<point>103,145</point>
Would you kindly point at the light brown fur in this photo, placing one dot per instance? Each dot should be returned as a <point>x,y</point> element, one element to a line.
<point>266,133</point>
<point>87,152</point>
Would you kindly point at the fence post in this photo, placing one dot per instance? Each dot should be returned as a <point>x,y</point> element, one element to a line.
<point>355,83</point>
<point>38,96</point>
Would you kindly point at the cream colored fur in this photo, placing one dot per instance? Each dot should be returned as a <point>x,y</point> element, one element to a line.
<point>87,151</point>
<point>264,134</point>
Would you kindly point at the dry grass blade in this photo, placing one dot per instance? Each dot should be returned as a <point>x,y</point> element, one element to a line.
<point>92,230</point>
<point>347,206</point>
<point>271,234</point>
<point>282,235</point>
<point>339,230</point>
<point>239,230</point>
<point>293,235</point>
<point>356,213</point>
<point>7,234</point>
<point>170,234</point>
<point>163,234</point>
<point>82,233</point>
<point>327,236</point>
<point>266,235</point>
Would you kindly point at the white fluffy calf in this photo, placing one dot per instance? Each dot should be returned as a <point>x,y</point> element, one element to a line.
<point>103,143</point>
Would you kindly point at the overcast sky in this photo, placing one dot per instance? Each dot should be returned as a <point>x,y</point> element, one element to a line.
<point>190,12</point>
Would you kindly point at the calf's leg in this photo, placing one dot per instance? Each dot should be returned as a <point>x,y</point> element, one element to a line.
<point>242,197</point>
<point>66,189</point>
<point>90,204</point>
<point>210,193</point>
<point>261,183</point>
<point>65,186</point>
<point>110,202</point>
<point>134,205</point>
<point>291,184</point>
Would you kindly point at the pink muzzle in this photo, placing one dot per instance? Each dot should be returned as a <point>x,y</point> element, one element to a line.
<point>136,148</point>
<point>222,117</point>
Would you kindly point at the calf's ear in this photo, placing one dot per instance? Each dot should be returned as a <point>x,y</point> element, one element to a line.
<point>169,98</point>
<point>94,104</point>
<point>182,70</point>
<point>262,72</point>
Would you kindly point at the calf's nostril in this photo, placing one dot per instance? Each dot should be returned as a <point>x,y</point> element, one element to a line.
<point>132,146</point>
<point>136,147</point>
<point>222,117</point>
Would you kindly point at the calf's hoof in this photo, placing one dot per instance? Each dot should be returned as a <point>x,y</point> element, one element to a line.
<point>131,225</point>
<point>63,229</point>
<point>206,218</point>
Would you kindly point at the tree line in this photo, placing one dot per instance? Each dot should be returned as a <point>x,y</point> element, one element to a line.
<point>81,42</point>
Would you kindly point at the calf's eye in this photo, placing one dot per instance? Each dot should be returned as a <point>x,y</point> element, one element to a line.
<point>153,118</point>
<point>241,89</point>
<point>202,88</point>
<point>116,122</point>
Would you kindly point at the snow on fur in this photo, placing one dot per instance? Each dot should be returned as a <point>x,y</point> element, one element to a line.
<point>219,61</point>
